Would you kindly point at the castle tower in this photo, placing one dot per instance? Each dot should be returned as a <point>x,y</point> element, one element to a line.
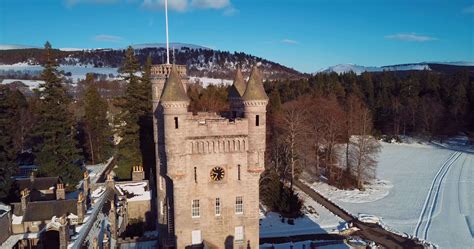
<point>255,102</point>
<point>236,91</point>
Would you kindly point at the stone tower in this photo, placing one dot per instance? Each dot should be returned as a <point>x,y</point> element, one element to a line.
<point>208,165</point>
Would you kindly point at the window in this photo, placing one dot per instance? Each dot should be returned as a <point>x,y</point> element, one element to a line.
<point>238,172</point>
<point>239,233</point>
<point>239,205</point>
<point>257,120</point>
<point>195,209</point>
<point>162,208</point>
<point>176,123</point>
<point>196,237</point>
<point>218,206</point>
<point>161,182</point>
<point>195,175</point>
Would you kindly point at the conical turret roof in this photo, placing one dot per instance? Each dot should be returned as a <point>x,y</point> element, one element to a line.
<point>173,89</point>
<point>237,89</point>
<point>255,90</point>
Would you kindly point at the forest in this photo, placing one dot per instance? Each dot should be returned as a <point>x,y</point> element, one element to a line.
<point>327,125</point>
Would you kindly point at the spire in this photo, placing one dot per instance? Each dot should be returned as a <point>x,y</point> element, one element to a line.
<point>255,90</point>
<point>238,88</point>
<point>174,90</point>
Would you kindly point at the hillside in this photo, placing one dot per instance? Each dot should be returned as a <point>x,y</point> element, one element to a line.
<point>200,61</point>
<point>443,67</point>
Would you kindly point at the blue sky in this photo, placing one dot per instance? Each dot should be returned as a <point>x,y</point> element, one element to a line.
<point>304,34</point>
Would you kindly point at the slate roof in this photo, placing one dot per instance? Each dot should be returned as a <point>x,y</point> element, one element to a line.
<point>45,210</point>
<point>173,89</point>
<point>237,89</point>
<point>255,90</point>
<point>39,183</point>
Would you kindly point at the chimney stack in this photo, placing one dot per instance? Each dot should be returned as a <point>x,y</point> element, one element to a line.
<point>86,187</point>
<point>63,233</point>
<point>138,174</point>
<point>60,192</point>
<point>25,198</point>
<point>81,208</point>
<point>32,176</point>
<point>110,181</point>
<point>113,220</point>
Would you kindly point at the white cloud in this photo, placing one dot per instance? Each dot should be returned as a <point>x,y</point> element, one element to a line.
<point>289,41</point>
<point>230,11</point>
<point>469,9</point>
<point>108,38</point>
<point>411,37</point>
<point>210,4</point>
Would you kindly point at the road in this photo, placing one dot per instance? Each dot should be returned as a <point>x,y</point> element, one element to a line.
<point>451,224</point>
<point>373,232</point>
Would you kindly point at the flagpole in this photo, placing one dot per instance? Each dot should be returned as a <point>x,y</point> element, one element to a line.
<point>167,39</point>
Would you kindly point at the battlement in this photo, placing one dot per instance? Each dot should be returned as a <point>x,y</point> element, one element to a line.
<point>163,70</point>
<point>213,125</point>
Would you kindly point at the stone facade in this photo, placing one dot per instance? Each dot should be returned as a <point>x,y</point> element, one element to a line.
<point>209,166</point>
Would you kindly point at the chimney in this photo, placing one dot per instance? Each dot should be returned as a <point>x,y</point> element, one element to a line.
<point>138,174</point>
<point>63,233</point>
<point>81,208</point>
<point>86,187</point>
<point>106,242</point>
<point>32,176</point>
<point>60,192</point>
<point>25,198</point>
<point>110,181</point>
<point>113,220</point>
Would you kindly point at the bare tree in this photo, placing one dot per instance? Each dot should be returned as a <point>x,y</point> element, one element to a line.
<point>292,123</point>
<point>364,148</point>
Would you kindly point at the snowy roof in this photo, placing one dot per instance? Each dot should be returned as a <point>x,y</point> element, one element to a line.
<point>134,191</point>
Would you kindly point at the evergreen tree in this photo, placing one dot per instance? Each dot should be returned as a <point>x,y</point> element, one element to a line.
<point>54,134</point>
<point>96,124</point>
<point>136,146</point>
<point>8,125</point>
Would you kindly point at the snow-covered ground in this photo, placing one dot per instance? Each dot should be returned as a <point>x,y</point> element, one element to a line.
<point>433,189</point>
<point>317,221</point>
<point>209,81</point>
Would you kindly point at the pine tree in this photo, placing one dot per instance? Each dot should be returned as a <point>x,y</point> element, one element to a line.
<point>96,124</point>
<point>129,153</point>
<point>8,110</point>
<point>54,141</point>
<point>147,144</point>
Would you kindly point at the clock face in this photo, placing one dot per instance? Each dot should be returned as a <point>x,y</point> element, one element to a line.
<point>217,173</point>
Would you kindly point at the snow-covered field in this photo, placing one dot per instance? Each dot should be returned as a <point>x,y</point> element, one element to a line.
<point>427,189</point>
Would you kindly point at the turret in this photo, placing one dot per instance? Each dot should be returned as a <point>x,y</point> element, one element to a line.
<point>236,91</point>
<point>86,187</point>
<point>255,102</point>
<point>174,101</point>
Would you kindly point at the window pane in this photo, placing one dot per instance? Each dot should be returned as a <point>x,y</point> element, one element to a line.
<point>218,206</point>
<point>239,205</point>
<point>195,208</point>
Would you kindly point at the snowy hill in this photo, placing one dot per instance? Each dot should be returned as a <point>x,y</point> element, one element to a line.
<point>357,69</point>
<point>201,61</point>
<point>433,66</point>
<point>14,46</point>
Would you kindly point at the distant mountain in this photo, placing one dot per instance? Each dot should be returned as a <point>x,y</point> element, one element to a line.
<point>173,45</point>
<point>200,61</point>
<point>14,46</point>
<point>434,66</point>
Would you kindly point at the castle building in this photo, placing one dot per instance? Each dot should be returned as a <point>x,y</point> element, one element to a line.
<point>208,165</point>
